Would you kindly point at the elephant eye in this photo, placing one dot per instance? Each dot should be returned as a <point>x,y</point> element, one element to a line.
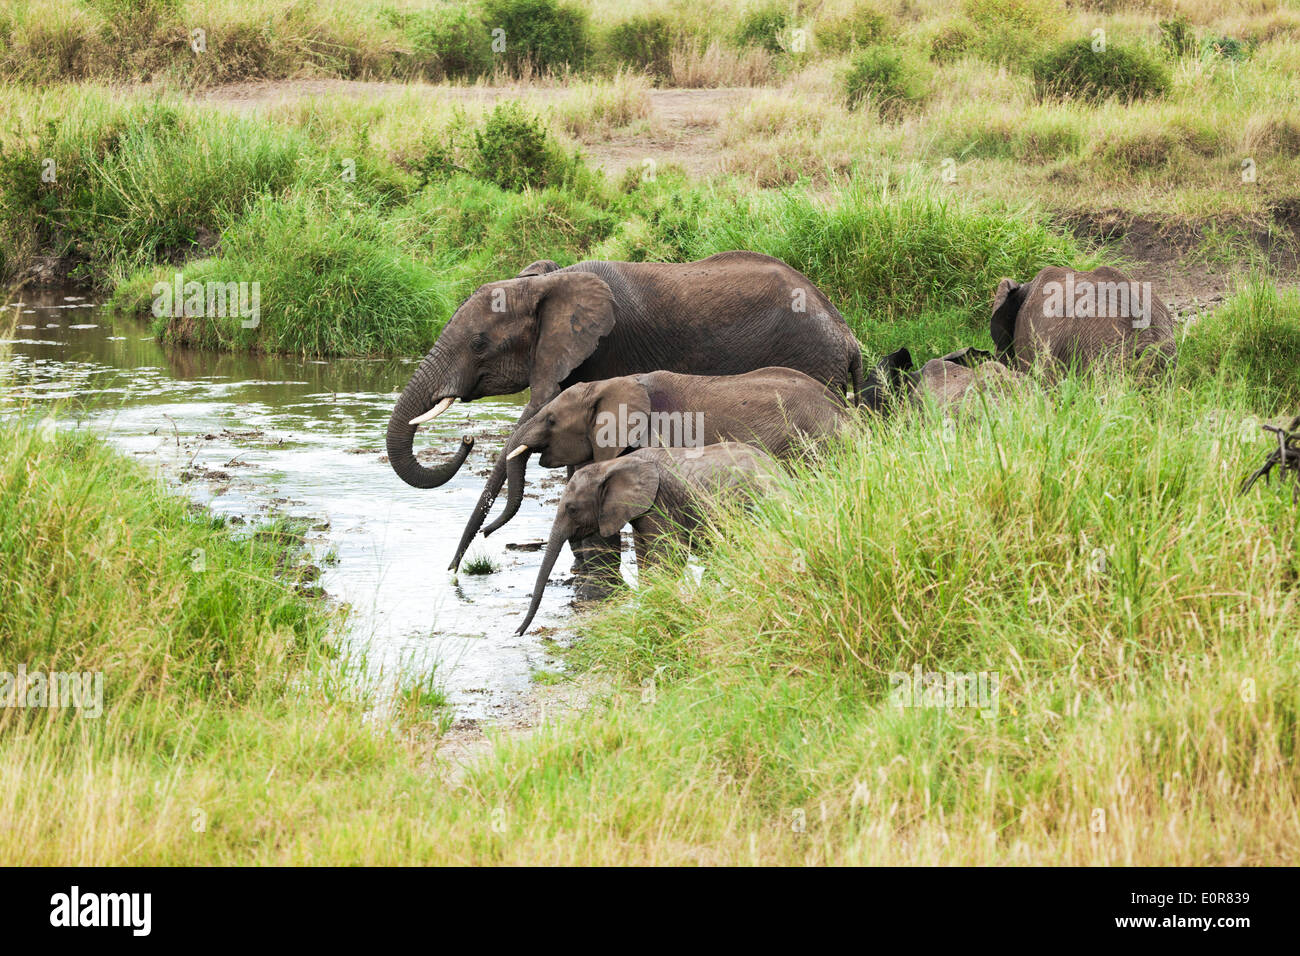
<point>480,342</point>
<point>550,420</point>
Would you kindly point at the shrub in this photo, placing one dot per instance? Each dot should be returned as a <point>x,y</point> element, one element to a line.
<point>952,40</point>
<point>864,23</point>
<point>887,77</point>
<point>450,43</point>
<point>513,150</point>
<point>1178,37</point>
<point>764,27</point>
<point>1074,69</point>
<point>544,33</point>
<point>1011,31</point>
<point>1230,48</point>
<point>645,42</point>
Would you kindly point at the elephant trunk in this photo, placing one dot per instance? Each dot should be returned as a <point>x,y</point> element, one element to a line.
<point>477,517</point>
<point>423,393</point>
<point>558,537</point>
<point>515,468</point>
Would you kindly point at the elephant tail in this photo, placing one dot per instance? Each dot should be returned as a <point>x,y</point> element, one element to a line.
<point>855,374</point>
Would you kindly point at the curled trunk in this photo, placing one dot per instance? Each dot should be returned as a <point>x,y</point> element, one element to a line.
<point>553,547</point>
<point>416,399</point>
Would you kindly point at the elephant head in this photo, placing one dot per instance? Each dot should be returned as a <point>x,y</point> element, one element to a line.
<point>579,425</point>
<point>528,332</point>
<point>884,385</point>
<point>600,498</point>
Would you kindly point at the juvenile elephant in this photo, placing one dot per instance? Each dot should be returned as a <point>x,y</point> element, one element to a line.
<point>778,409</point>
<point>550,328</point>
<point>666,493</point>
<point>1076,318</point>
<point>950,380</point>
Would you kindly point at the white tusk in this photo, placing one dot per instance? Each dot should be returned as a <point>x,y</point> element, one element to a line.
<point>434,412</point>
<point>517,452</point>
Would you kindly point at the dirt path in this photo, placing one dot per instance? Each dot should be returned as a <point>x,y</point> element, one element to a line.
<point>683,126</point>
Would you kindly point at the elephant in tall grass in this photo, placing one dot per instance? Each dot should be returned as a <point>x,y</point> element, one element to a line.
<point>665,493</point>
<point>950,381</point>
<point>1070,318</point>
<point>778,409</point>
<point>730,313</point>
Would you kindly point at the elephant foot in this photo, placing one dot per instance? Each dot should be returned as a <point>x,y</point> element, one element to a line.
<point>593,589</point>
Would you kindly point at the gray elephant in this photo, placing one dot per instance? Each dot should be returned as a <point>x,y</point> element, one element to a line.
<point>950,381</point>
<point>666,493</point>
<point>778,409</point>
<point>1076,318</point>
<point>733,312</point>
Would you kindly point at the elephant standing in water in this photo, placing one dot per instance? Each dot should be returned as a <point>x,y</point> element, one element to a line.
<point>778,409</point>
<point>730,313</point>
<point>1077,318</point>
<point>666,493</point>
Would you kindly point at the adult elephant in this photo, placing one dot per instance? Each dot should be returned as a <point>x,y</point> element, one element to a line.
<point>730,313</point>
<point>1076,318</point>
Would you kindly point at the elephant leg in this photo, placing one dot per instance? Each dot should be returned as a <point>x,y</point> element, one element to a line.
<point>596,567</point>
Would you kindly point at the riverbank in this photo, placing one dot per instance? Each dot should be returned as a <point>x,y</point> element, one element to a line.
<point>1146,692</point>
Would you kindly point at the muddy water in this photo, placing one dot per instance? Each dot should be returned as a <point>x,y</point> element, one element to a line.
<point>254,436</point>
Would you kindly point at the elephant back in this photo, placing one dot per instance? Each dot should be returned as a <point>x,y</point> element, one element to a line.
<point>1079,318</point>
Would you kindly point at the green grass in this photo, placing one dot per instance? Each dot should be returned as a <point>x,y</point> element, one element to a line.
<point>479,564</point>
<point>1253,340</point>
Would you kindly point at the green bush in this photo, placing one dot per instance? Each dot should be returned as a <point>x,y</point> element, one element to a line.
<point>765,26</point>
<point>863,24</point>
<point>1178,37</point>
<point>1230,48</point>
<point>450,43</point>
<point>886,77</point>
<point>952,41</point>
<point>1012,31</point>
<point>1075,70</point>
<point>1252,341</point>
<point>513,150</point>
<point>546,33</point>
<point>644,42</point>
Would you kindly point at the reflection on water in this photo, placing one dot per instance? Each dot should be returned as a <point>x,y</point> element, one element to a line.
<point>270,435</point>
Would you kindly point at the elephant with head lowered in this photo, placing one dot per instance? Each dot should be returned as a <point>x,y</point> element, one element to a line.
<point>730,313</point>
<point>665,493</point>
<point>1070,318</point>
<point>777,409</point>
<point>951,381</point>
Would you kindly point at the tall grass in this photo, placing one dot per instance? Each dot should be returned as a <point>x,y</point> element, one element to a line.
<point>1146,711</point>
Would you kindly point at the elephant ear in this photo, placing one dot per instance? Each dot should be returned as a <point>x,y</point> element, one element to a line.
<point>970,356</point>
<point>626,492</point>
<point>574,311</point>
<point>1006,306</point>
<point>539,268</point>
<point>618,401</point>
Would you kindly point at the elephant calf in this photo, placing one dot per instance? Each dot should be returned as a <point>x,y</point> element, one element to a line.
<point>950,380</point>
<point>778,409</point>
<point>1077,318</point>
<point>664,492</point>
